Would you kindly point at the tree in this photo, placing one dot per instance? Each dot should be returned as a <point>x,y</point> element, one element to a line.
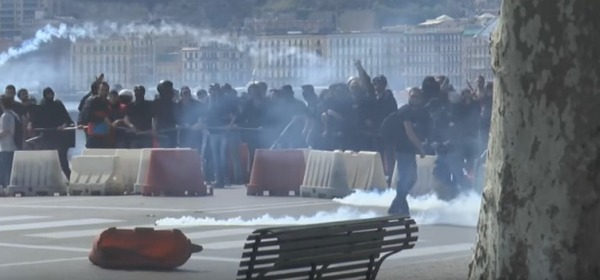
<point>540,209</point>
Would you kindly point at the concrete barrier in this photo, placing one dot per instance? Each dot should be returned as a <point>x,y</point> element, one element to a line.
<point>370,173</point>
<point>175,172</point>
<point>143,167</point>
<point>37,173</point>
<point>99,152</point>
<point>277,172</point>
<point>325,175</point>
<point>96,175</point>
<point>129,165</point>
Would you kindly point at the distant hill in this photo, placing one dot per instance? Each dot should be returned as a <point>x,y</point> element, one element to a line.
<point>221,14</point>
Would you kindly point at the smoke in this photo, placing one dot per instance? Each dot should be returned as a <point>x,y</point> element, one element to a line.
<point>342,214</point>
<point>309,66</point>
<point>428,209</point>
<point>107,30</point>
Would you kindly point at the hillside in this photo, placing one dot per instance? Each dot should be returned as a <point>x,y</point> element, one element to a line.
<point>230,13</point>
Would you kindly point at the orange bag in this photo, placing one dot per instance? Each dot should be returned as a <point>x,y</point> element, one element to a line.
<point>142,248</point>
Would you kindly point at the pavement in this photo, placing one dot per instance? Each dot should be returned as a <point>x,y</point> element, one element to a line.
<point>51,237</point>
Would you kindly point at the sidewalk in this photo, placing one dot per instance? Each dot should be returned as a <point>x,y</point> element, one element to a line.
<point>449,268</point>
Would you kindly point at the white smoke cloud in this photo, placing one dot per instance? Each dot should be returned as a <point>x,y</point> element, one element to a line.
<point>314,68</point>
<point>106,30</point>
<point>426,210</point>
<point>342,214</point>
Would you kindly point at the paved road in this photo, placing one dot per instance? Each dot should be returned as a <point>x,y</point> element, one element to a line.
<point>50,237</point>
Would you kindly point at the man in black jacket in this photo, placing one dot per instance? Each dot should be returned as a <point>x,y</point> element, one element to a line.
<point>139,116</point>
<point>165,115</point>
<point>401,130</point>
<point>52,116</point>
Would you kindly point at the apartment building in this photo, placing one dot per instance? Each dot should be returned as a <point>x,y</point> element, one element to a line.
<point>434,48</point>
<point>125,61</point>
<point>18,14</point>
<point>345,49</point>
<point>476,58</point>
<point>405,54</point>
<point>214,62</point>
<point>168,67</point>
<point>293,58</point>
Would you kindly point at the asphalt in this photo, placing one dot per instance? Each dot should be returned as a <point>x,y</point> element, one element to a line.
<point>50,237</point>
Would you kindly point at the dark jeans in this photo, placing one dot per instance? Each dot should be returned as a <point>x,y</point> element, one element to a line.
<point>449,170</point>
<point>122,140</point>
<point>190,139</point>
<point>207,163</point>
<point>63,154</point>
<point>95,142</point>
<point>407,177</point>
<point>142,141</point>
<point>168,140</point>
<point>239,171</point>
<point>6,162</point>
<point>218,146</point>
<point>63,157</point>
<point>388,158</point>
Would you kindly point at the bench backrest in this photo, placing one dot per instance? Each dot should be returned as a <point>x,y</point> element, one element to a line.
<point>340,250</point>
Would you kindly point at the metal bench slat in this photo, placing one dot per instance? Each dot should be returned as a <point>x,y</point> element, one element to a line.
<point>361,256</point>
<point>305,272</point>
<point>348,249</point>
<point>354,226</point>
<point>273,256</point>
<point>386,242</point>
<point>274,241</point>
<point>356,271</point>
<point>371,221</point>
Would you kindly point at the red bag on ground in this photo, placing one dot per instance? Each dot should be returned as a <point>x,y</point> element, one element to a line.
<point>142,248</point>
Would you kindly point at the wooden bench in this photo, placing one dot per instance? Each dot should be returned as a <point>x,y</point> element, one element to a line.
<point>340,250</point>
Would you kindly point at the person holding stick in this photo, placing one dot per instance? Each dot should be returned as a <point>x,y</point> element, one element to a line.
<point>52,118</point>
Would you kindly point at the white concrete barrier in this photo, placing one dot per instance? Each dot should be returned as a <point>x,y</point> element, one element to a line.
<point>37,173</point>
<point>96,175</point>
<point>425,180</point>
<point>99,152</point>
<point>370,174</point>
<point>351,164</point>
<point>129,160</point>
<point>325,175</point>
<point>129,165</point>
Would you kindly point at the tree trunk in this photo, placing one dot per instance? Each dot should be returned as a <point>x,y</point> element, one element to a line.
<point>540,213</point>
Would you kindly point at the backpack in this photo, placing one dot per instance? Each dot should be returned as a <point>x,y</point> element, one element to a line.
<point>18,136</point>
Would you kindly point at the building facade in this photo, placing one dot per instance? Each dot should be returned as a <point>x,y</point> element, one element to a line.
<point>168,67</point>
<point>476,58</point>
<point>434,49</point>
<point>214,63</point>
<point>347,48</point>
<point>404,54</point>
<point>15,15</point>
<point>125,61</point>
<point>293,58</point>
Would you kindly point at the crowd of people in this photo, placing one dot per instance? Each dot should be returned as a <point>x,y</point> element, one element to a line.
<point>359,115</point>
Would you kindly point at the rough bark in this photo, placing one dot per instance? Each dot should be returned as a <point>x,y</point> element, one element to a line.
<point>540,214</point>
